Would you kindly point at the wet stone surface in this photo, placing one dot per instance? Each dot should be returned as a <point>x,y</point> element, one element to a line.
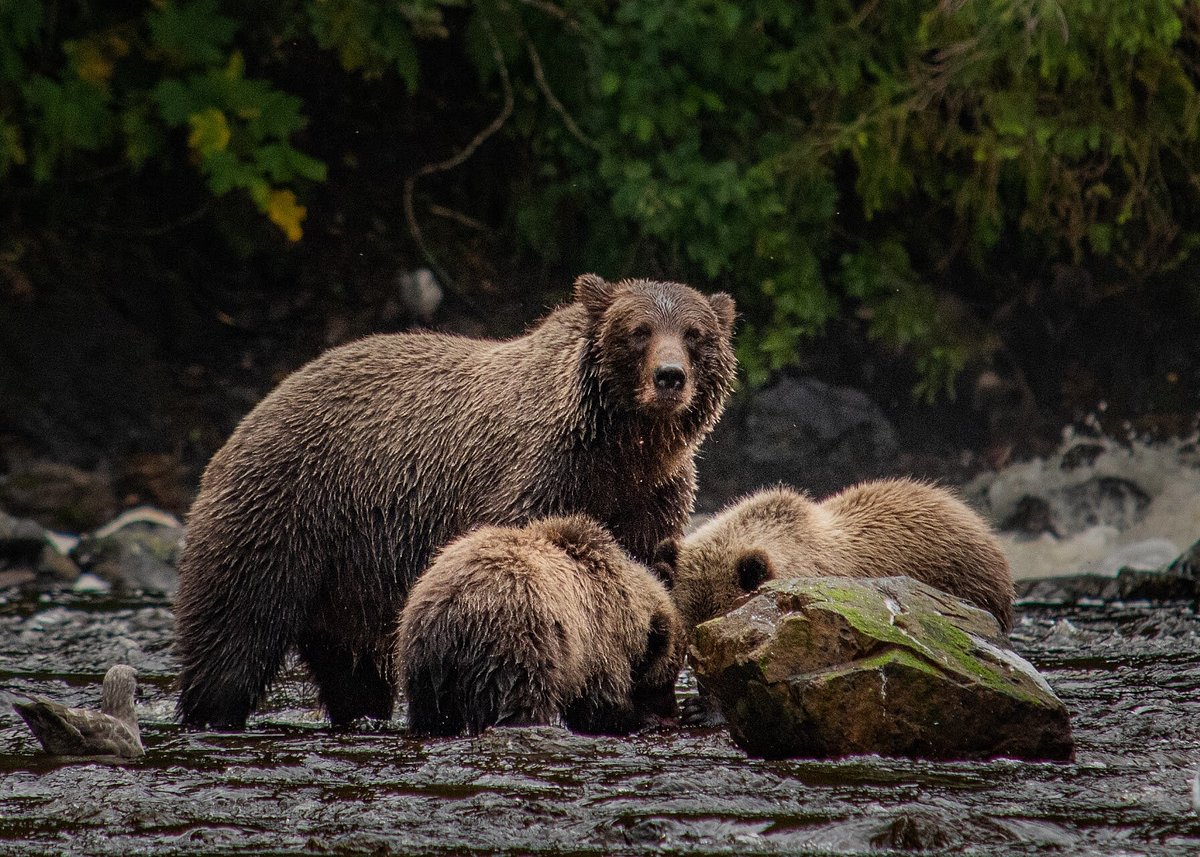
<point>827,667</point>
<point>1130,676</point>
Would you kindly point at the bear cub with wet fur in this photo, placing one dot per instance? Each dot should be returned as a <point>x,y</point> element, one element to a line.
<point>884,528</point>
<point>547,624</point>
<point>333,494</point>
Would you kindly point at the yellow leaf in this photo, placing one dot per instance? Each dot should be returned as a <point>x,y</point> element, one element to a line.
<point>236,66</point>
<point>10,136</point>
<point>210,131</point>
<point>117,44</point>
<point>286,213</point>
<point>92,63</point>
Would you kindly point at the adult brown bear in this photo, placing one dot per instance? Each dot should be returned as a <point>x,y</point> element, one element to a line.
<point>543,624</point>
<point>332,495</point>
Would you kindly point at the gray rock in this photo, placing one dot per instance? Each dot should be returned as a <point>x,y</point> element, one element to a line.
<point>801,432</point>
<point>1187,564</point>
<point>138,550</point>
<point>90,583</point>
<point>827,667</point>
<point>30,554</point>
<point>1177,580</point>
<point>421,292</point>
<point>58,495</point>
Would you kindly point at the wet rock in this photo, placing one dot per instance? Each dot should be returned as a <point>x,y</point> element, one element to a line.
<point>29,554</point>
<point>914,832</point>
<point>1187,564</point>
<point>1178,580</point>
<point>1072,508</point>
<point>58,496</point>
<point>16,577</point>
<point>827,667</point>
<point>91,584</point>
<point>799,431</point>
<point>138,550</point>
<point>1082,455</point>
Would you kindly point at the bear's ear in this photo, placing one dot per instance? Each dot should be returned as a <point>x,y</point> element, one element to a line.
<point>666,556</point>
<point>723,306</point>
<point>753,567</point>
<point>594,292</point>
<point>579,537</point>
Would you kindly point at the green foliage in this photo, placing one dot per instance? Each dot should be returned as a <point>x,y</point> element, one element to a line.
<point>827,160</point>
<point>172,85</point>
<point>807,155</point>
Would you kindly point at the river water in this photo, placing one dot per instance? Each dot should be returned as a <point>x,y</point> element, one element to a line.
<point>1129,674</point>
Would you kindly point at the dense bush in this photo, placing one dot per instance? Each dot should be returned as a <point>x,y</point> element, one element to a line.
<point>903,164</point>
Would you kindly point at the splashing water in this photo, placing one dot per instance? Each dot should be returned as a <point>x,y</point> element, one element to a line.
<point>1100,504</point>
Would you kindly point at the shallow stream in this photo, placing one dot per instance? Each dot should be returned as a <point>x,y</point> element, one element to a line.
<point>1129,674</point>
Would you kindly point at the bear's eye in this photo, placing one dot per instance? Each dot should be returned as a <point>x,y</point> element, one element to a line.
<point>693,335</point>
<point>641,332</point>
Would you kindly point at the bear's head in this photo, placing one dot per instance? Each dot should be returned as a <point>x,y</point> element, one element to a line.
<point>640,627</point>
<point>656,667</point>
<point>707,580</point>
<point>758,539</point>
<point>663,348</point>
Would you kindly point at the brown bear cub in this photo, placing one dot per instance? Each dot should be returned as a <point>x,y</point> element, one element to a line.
<point>551,623</point>
<point>333,493</point>
<point>884,528</point>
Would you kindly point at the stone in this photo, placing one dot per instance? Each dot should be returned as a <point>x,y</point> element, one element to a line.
<point>137,551</point>
<point>58,496</point>
<point>1177,580</point>
<point>1187,564</point>
<point>31,554</point>
<point>830,667</point>
<point>803,432</point>
<point>421,293</point>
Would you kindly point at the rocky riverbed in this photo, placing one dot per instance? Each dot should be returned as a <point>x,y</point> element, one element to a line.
<point>1128,673</point>
<point>1127,668</point>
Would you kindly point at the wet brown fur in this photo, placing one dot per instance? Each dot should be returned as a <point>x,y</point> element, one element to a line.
<point>883,528</point>
<point>550,623</point>
<point>333,494</point>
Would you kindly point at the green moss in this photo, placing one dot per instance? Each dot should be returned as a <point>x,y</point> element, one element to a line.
<point>934,639</point>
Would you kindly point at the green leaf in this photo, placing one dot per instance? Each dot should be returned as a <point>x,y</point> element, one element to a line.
<point>191,32</point>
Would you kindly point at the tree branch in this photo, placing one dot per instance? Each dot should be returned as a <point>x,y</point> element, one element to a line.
<point>414,228</point>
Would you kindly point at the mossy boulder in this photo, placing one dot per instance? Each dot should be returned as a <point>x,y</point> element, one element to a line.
<point>827,667</point>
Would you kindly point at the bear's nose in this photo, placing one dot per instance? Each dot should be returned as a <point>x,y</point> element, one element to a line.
<point>669,376</point>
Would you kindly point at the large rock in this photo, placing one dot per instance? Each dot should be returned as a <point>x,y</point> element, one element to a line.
<point>58,496</point>
<point>802,432</point>
<point>826,667</point>
<point>30,554</point>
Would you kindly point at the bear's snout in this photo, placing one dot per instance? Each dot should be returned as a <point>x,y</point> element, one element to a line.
<point>666,382</point>
<point>670,377</point>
